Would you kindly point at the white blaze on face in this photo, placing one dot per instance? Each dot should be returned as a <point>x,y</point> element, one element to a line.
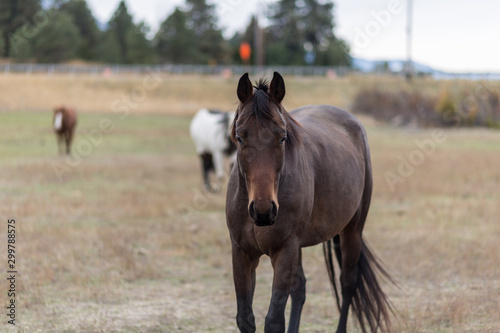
<point>58,121</point>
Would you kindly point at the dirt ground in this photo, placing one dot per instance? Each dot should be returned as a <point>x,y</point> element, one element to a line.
<point>125,240</point>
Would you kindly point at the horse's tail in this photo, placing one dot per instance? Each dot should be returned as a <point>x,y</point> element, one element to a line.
<point>369,304</point>
<point>369,301</point>
<point>327,252</point>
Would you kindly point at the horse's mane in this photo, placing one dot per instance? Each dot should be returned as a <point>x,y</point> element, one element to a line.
<point>260,106</point>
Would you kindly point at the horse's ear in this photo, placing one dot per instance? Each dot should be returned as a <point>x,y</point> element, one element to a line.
<point>277,87</point>
<point>245,89</point>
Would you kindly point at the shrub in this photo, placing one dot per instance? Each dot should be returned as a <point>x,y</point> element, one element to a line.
<point>400,107</point>
<point>460,107</point>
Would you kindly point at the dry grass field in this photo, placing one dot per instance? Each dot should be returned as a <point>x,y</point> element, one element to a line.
<point>124,240</point>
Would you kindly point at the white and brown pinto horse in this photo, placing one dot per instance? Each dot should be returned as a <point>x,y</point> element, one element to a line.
<point>64,123</point>
<point>210,131</point>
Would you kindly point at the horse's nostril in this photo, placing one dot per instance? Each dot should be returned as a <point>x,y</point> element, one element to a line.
<point>252,211</point>
<point>274,211</point>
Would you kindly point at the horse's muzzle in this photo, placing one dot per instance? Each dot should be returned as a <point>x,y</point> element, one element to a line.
<point>262,215</point>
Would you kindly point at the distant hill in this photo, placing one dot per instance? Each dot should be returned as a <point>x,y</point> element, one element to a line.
<point>394,66</point>
<point>397,66</point>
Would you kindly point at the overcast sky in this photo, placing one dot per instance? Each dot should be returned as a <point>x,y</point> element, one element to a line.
<point>450,35</point>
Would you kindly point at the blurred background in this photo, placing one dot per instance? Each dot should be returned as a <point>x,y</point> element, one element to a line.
<point>120,236</point>
<point>447,36</point>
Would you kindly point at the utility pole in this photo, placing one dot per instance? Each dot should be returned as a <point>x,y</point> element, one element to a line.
<point>409,13</point>
<point>259,36</point>
<point>258,43</point>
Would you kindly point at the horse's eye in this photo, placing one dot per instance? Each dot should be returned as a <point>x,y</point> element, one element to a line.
<point>282,141</point>
<point>238,139</point>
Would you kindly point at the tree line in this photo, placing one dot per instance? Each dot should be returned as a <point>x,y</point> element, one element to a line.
<point>300,32</point>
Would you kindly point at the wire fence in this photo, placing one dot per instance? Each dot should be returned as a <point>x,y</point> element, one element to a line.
<point>171,69</point>
<point>222,70</point>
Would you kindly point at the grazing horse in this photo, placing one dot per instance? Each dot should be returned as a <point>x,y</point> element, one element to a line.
<point>301,178</point>
<point>209,130</point>
<point>64,125</point>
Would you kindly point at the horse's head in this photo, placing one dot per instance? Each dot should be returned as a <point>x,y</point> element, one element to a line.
<point>260,131</point>
<point>58,117</point>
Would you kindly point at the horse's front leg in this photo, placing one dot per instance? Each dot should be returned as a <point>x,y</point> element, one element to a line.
<point>244,266</point>
<point>284,264</point>
<point>60,143</point>
<point>69,138</point>
<point>298,295</point>
<point>218,158</point>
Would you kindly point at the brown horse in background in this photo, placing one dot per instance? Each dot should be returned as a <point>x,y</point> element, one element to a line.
<point>64,123</point>
<point>300,179</point>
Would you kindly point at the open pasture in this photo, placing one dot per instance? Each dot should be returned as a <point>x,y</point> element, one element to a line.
<point>126,241</point>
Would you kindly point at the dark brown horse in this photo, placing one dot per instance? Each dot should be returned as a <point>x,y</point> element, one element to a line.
<point>301,178</point>
<point>64,123</point>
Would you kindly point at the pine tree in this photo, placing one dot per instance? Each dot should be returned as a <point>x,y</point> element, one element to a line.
<point>133,46</point>
<point>300,26</point>
<point>108,49</point>
<point>56,41</point>
<point>175,42</point>
<point>14,14</point>
<point>202,20</point>
<point>87,26</point>
<point>191,36</point>
<point>139,48</point>
<point>120,24</point>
